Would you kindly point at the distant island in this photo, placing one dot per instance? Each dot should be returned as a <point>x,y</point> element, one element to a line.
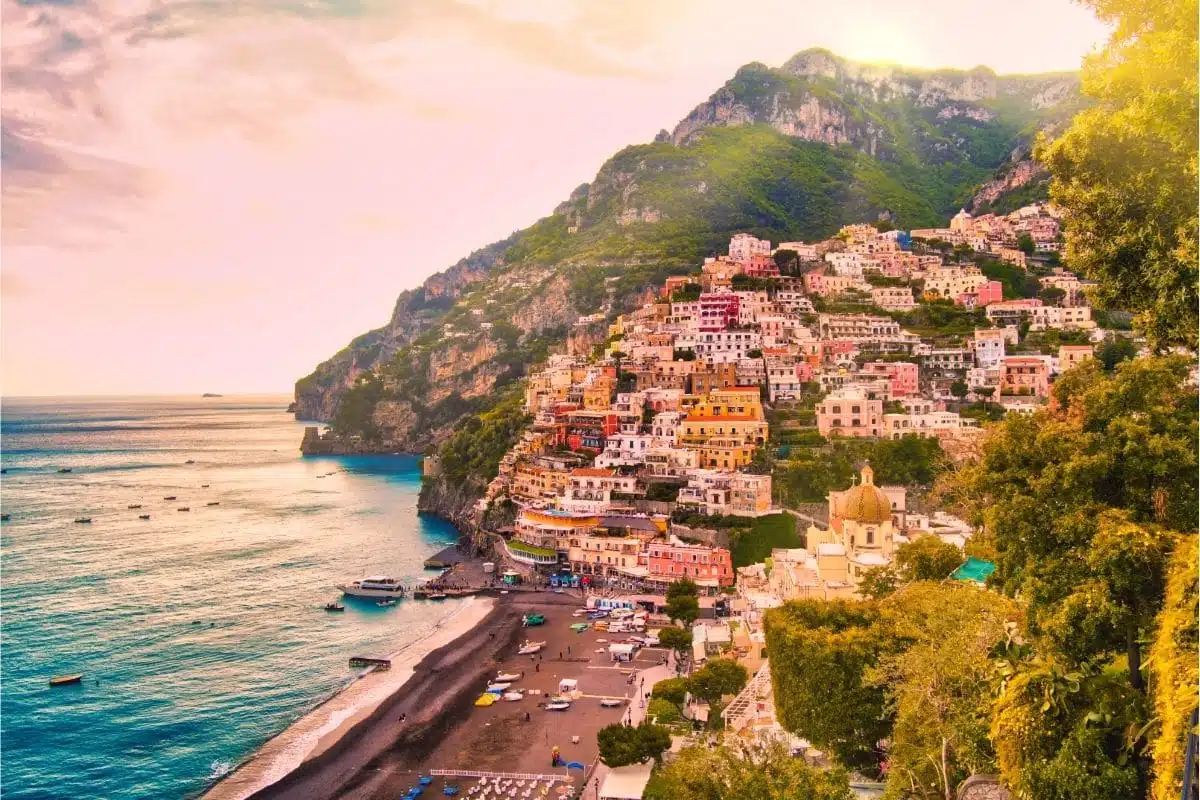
<point>211,394</point>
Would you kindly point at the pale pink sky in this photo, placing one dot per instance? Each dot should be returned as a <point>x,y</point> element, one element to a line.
<point>216,198</point>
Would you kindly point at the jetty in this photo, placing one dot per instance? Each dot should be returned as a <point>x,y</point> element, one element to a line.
<point>447,558</point>
<point>368,661</point>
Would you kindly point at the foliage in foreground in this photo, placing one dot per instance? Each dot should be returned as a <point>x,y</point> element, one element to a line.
<point>701,773</point>
<point>621,745</point>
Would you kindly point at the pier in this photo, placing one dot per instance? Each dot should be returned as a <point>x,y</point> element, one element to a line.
<point>367,661</point>
<point>447,558</point>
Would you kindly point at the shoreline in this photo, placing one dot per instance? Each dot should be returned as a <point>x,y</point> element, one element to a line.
<point>325,726</point>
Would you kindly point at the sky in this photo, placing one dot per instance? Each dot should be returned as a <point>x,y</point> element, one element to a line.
<point>216,196</point>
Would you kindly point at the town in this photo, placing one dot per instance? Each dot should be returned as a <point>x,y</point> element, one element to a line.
<point>656,458</point>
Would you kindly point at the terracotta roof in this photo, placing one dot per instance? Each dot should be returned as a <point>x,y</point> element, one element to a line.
<point>590,472</point>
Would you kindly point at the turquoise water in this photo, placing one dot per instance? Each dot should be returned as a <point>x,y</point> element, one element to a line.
<point>200,633</point>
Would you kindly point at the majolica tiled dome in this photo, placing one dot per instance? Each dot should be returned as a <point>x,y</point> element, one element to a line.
<point>866,502</point>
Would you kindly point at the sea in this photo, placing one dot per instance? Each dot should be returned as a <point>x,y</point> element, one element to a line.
<point>201,633</point>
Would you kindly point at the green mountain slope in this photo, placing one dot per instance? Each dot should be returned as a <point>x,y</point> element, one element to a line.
<point>790,154</point>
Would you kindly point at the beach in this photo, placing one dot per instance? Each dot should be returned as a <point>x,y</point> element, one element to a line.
<point>373,753</point>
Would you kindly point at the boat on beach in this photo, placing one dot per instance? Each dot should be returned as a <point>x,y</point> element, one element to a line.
<point>375,586</point>
<point>529,648</point>
<point>612,702</point>
<point>510,677</point>
<point>558,705</point>
<point>66,680</point>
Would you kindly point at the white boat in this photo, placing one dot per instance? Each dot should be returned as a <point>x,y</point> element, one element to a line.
<point>513,697</point>
<point>529,648</point>
<point>498,687</point>
<point>558,705</point>
<point>376,586</point>
<point>612,702</point>
<point>385,603</point>
<point>511,677</point>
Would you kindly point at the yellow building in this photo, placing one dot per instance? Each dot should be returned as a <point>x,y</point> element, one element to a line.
<point>696,429</point>
<point>725,452</point>
<point>861,535</point>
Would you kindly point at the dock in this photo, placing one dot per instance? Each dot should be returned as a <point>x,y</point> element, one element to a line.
<point>367,661</point>
<point>445,559</point>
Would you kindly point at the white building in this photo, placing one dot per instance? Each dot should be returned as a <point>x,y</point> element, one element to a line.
<point>743,246</point>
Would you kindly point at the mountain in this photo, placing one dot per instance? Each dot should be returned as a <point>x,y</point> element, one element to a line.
<point>788,153</point>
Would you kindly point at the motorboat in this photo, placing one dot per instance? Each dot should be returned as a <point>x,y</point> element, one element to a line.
<point>64,469</point>
<point>143,516</point>
<point>334,607</point>
<point>558,705</point>
<point>5,517</point>
<point>204,486</point>
<point>184,508</point>
<point>512,697</point>
<point>66,680</point>
<point>612,702</point>
<point>510,677</point>
<point>190,461</point>
<point>84,520</point>
<point>385,603</point>
<point>529,648</point>
<point>498,687</point>
<point>213,503</point>
<point>437,596</point>
<point>169,497</point>
<point>376,586</point>
<point>134,505</point>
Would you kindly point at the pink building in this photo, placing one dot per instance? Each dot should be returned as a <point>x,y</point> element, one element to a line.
<point>1024,375</point>
<point>717,310</point>
<point>672,560</point>
<point>990,292</point>
<point>849,412</point>
<point>902,376</point>
<point>762,266</point>
<point>823,284</point>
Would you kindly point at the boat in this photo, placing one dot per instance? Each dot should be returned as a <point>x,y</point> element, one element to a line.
<point>169,497</point>
<point>485,699</point>
<point>5,517</point>
<point>558,705</point>
<point>374,586</point>
<point>184,508</point>
<point>3,470</point>
<point>334,607</point>
<point>529,648</point>
<point>211,394</point>
<point>437,596</point>
<point>510,676</point>
<point>83,520</point>
<point>530,620</point>
<point>190,461</point>
<point>204,486</point>
<point>512,697</point>
<point>500,687</point>
<point>385,603</point>
<point>64,469</point>
<point>66,680</point>
<point>143,516</point>
<point>612,702</point>
<point>213,503</point>
<point>134,505</point>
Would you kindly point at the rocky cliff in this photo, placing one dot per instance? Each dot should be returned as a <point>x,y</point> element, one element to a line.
<point>789,153</point>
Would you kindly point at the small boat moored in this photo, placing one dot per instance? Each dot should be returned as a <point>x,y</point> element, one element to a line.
<point>385,603</point>
<point>437,596</point>
<point>143,516</point>
<point>184,508</point>
<point>134,505</point>
<point>84,520</point>
<point>66,680</point>
<point>334,607</point>
<point>64,469</point>
<point>190,461</point>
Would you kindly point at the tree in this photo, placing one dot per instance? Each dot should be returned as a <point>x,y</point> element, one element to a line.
<point>1025,244</point>
<point>673,690</point>
<point>1125,171</point>
<point>959,389</point>
<point>677,639</point>
<point>621,745</point>
<point>819,652</point>
<point>716,679</point>
<point>939,684</point>
<point>684,587</point>
<point>1115,350</point>
<point>756,353</point>
<point>909,460</point>
<point>927,558</point>
<point>683,608</point>
<point>985,391</point>
<point>1174,672</point>
<point>877,583</point>
<point>1052,295</point>
<point>662,711</point>
<point>745,773</point>
<point>787,261</point>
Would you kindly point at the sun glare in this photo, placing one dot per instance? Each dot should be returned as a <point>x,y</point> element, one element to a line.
<point>875,43</point>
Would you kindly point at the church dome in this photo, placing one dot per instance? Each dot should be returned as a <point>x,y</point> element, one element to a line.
<point>865,503</point>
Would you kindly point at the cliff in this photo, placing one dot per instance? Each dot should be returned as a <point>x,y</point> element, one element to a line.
<point>788,153</point>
